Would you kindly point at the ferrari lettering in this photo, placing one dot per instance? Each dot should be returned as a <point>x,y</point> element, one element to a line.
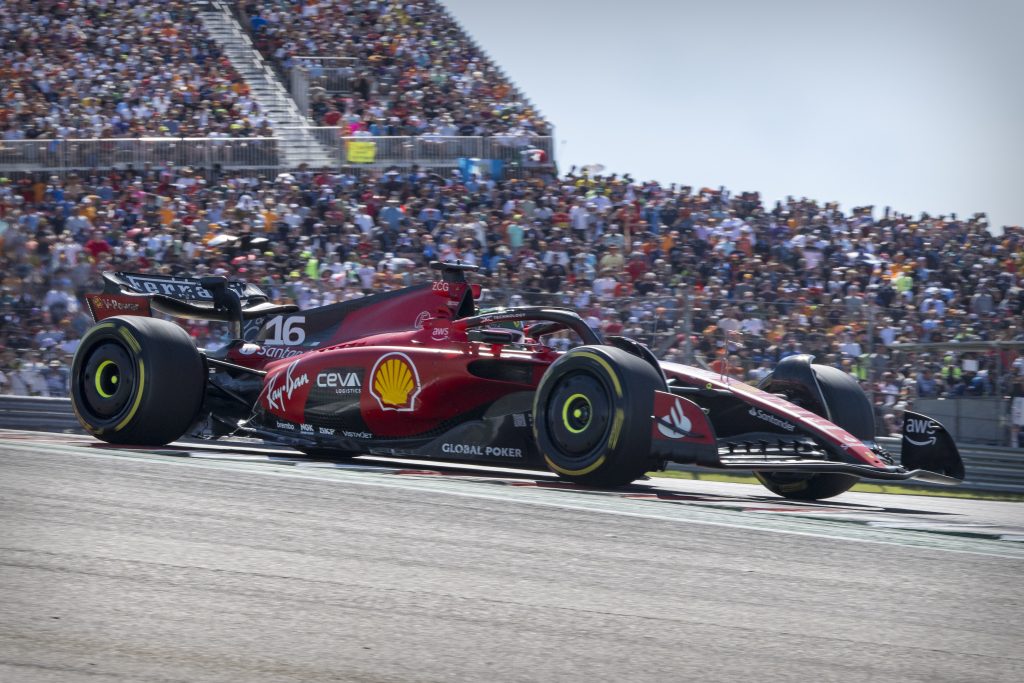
<point>277,395</point>
<point>771,419</point>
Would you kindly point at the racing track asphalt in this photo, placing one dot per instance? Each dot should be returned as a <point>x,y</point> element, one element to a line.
<point>140,567</point>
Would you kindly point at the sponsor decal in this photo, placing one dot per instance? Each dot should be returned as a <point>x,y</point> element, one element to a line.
<point>326,431</point>
<point>274,352</point>
<point>440,333</point>
<point>921,428</point>
<point>277,396</point>
<point>286,331</point>
<point>420,319</point>
<point>106,305</point>
<point>342,381</point>
<point>395,382</point>
<point>675,425</point>
<point>503,317</point>
<point>771,419</point>
<point>308,429</point>
<point>285,425</point>
<point>519,420</point>
<point>488,451</point>
<point>356,435</point>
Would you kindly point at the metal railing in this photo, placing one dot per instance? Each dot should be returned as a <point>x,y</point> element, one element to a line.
<point>514,151</point>
<point>62,155</point>
<point>83,154</point>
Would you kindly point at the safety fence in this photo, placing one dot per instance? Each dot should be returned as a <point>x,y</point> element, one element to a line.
<point>65,155</point>
<point>988,469</point>
<point>513,153</point>
<point>510,151</point>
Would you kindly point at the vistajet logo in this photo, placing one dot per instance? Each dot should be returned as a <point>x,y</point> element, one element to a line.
<point>771,419</point>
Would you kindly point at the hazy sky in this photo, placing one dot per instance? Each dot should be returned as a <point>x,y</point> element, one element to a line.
<point>916,104</point>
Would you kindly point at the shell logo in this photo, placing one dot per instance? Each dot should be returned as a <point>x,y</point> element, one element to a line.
<point>395,382</point>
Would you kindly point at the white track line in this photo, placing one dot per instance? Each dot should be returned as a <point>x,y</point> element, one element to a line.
<point>580,502</point>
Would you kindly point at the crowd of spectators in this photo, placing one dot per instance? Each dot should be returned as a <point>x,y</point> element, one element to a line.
<point>112,69</point>
<point>413,70</point>
<point>703,275</point>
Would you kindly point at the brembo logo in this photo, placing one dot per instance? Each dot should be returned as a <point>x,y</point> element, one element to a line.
<point>771,419</point>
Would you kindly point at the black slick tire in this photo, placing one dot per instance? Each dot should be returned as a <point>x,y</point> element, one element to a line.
<point>592,416</point>
<point>845,405</point>
<point>137,380</point>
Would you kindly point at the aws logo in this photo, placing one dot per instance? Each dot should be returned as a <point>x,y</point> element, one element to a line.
<point>395,382</point>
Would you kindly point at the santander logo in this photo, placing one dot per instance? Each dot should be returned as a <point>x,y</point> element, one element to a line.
<point>675,425</point>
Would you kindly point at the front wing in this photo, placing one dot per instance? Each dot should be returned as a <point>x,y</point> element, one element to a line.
<point>682,433</point>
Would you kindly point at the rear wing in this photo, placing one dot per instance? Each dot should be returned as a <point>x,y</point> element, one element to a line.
<point>208,298</point>
<point>177,287</point>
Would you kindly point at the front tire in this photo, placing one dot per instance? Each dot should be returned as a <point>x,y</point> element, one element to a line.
<point>592,416</point>
<point>137,380</point>
<point>845,405</point>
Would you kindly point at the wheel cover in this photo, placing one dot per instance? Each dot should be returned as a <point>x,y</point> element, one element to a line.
<point>579,416</point>
<point>107,380</point>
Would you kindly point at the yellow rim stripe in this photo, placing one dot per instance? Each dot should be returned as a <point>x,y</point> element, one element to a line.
<point>99,373</point>
<point>575,473</point>
<point>613,438</point>
<point>95,329</point>
<point>138,398</point>
<point>130,339</point>
<point>608,369</point>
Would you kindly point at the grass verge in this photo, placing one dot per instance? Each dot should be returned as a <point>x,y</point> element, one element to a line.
<point>951,492</point>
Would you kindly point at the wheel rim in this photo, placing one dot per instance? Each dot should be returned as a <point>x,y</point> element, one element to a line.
<point>579,416</point>
<point>107,381</point>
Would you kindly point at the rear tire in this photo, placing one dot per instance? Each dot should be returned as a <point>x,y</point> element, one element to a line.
<point>847,406</point>
<point>592,416</point>
<point>137,380</point>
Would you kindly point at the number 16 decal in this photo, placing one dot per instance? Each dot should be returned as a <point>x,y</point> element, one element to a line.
<point>287,331</point>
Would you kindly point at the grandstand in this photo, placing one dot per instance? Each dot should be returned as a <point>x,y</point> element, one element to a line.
<point>322,151</point>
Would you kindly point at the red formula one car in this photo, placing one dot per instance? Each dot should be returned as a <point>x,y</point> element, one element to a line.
<point>421,373</point>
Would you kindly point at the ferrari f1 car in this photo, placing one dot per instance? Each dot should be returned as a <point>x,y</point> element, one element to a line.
<point>421,373</point>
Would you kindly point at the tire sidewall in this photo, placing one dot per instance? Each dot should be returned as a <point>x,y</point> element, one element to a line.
<point>168,388</point>
<point>629,384</point>
<point>839,391</point>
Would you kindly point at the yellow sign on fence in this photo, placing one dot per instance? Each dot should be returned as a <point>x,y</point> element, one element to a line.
<point>361,151</point>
